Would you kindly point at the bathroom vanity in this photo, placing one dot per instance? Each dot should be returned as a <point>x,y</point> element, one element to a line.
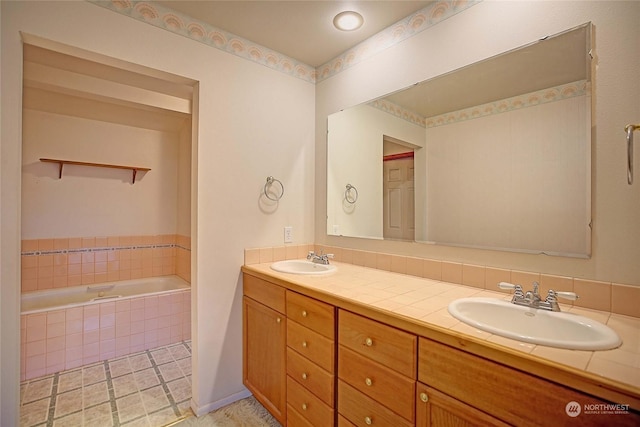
<point>313,357</point>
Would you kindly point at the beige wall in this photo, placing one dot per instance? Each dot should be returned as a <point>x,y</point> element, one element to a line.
<point>487,29</point>
<point>97,201</point>
<point>497,164</point>
<point>253,122</point>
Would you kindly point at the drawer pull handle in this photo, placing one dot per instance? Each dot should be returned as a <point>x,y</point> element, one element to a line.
<point>424,397</point>
<point>304,406</point>
<point>368,382</point>
<point>368,342</point>
<point>278,320</point>
<point>304,313</point>
<point>304,376</point>
<point>368,421</point>
<point>304,344</point>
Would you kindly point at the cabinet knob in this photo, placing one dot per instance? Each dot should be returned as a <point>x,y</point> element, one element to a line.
<point>368,382</point>
<point>368,342</point>
<point>304,376</point>
<point>304,406</point>
<point>368,421</point>
<point>304,344</point>
<point>304,313</point>
<point>424,397</point>
<point>278,320</point>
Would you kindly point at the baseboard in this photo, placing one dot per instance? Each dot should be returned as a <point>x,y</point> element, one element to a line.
<point>205,409</point>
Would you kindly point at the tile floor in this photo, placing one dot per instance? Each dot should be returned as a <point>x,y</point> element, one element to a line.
<point>151,388</point>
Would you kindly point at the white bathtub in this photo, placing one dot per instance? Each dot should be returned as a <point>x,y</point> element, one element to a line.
<point>61,298</point>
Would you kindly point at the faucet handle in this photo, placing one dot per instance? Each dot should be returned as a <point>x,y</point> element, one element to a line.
<point>551,296</point>
<point>518,291</point>
<point>506,285</point>
<point>572,296</point>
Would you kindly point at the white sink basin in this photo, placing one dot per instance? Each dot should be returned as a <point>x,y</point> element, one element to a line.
<point>553,329</point>
<point>298,266</point>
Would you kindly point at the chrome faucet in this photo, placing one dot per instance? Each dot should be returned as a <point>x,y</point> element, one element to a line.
<point>319,259</point>
<point>532,298</point>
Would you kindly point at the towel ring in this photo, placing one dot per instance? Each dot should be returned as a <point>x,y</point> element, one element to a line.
<point>348,194</point>
<point>629,129</point>
<point>270,181</point>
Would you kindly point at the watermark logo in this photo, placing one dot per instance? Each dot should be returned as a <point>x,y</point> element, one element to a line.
<point>573,409</point>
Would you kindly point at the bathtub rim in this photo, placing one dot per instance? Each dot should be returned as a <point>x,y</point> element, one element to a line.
<point>184,285</point>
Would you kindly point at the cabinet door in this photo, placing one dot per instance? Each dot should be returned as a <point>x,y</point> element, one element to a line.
<point>264,345</point>
<point>437,409</point>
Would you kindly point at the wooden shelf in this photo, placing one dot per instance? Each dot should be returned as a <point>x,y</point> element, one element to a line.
<point>61,163</point>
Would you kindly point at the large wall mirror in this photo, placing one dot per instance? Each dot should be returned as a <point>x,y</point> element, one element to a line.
<point>495,155</point>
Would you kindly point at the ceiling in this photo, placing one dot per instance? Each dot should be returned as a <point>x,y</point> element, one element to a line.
<point>300,29</point>
<point>550,62</point>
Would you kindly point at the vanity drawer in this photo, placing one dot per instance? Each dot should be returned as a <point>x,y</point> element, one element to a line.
<point>343,422</point>
<point>391,389</point>
<point>391,347</point>
<point>363,411</point>
<point>311,376</point>
<point>500,390</point>
<point>294,419</point>
<point>311,313</point>
<point>312,345</point>
<point>273,296</point>
<point>308,405</point>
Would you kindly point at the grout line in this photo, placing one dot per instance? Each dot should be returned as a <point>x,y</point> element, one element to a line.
<point>115,416</point>
<point>163,383</point>
<point>54,399</point>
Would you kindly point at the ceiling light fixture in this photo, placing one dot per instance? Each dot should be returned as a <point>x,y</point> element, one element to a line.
<point>348,20</point>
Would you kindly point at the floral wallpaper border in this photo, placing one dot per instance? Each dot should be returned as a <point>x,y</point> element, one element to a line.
<point>395,34</point>
<point>557,93</point>
<point>163,17</point>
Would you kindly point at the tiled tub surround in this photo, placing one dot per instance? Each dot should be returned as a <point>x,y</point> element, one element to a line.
<point>425,300</point>
<point>67,338</point>
<point>58,263</point>
<point>149,388</point>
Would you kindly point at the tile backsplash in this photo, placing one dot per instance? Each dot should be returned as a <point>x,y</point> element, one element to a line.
<point>598,295</point>
<point>59,263</point>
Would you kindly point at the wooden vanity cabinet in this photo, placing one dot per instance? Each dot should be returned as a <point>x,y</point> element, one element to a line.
<point>436,409</point>
<point>376,372</point>
<point>312,364</point>
<point>311,361</point>
<point>474,386</point>
<point>264,344</point>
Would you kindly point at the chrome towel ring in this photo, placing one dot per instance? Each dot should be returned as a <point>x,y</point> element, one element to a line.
<point>273,196</point>
<point>629,129</point>
<point>351,194</point>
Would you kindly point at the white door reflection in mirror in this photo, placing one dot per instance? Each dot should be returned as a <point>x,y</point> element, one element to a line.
<point>398,191</point>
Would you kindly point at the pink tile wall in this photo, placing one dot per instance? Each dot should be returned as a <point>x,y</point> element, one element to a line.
<point>58,340</point>
<point>58,263</point>
<point>606,296</point>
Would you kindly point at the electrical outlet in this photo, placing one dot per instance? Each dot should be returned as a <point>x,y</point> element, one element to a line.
<point>288,234</point>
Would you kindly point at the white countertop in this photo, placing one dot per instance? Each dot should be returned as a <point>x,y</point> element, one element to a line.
<point>425,301</point>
